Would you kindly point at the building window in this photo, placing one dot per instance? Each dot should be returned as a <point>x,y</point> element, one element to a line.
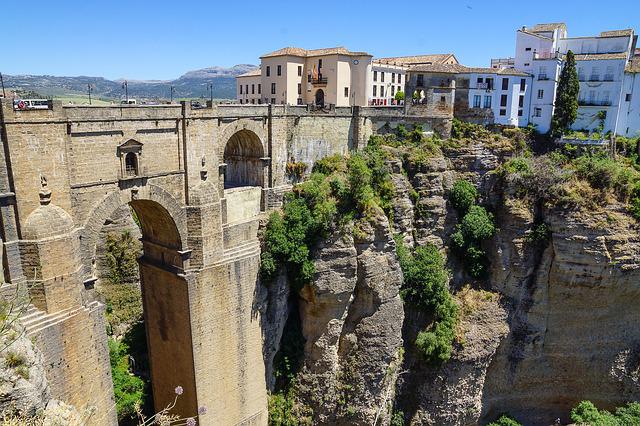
<point>273,88</point>
<point>375,76</point>
<point>581,74</point>
<point>299,101</point>
<point>246,89</point>
<point>627,97</point>
<point>519,113</point>
<point>253,89</point>
<point>420,81</point>
<point>608,75</point>
<point>505,84</point>
<point>382,91</point>
<point>487,101</point>
<point>503,112</point>
<point>375,90</point>
<point>259,100</point>
<point>393,90</point>
<point>527,49</point>
<point>503,101</point>
<point>489,83</point>
<point>476,101</point>
<point>241,89</point>
<point>299,70</point>
<point>605,97</point>
<point>393,77</point>
<point>521,101</point>
<point>399,78</point>
<point>299,88</point>
<point>319,64</point>
<point>595,74</point>
<point>253,101</point>
<point>480,80</point>
<point>309,78</point>
<point>542,73</point>
<point>240,101</point>
<point>540,93</point>
<point>273,100</point>
<point>131,164</point>
<point>259,88</point>
<point>526,64</point>
<point>523,84</point>
<point>279,70</point>
<point>443,99</point>
<point>537,112</point>
<point>346,92</point>
<point>382,76</point>
<point>268,71</point>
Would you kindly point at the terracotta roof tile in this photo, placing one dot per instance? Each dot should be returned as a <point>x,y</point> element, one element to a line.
<point>544,28</point>
<point>461,69</point>
<point>600,56</point>
<point>439,58</point>
<point>617,33</point>
<point>304,53</point>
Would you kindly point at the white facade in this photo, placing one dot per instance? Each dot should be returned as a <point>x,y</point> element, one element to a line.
<point>600,61</point>
<point>386,80</point>
<point>506,95</point>
<point>629,116</point>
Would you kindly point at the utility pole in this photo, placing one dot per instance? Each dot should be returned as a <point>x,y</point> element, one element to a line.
<point>4,95</point>
<point>171,95</point>
<point>125,86</point>
<point>211,93</point>
<point>89,90</point>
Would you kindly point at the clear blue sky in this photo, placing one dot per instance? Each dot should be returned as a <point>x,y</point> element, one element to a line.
<point>142,39</point>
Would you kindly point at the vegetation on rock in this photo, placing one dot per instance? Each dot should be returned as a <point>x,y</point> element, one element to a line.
<point>128,389</point>
<point>505,420</point>
<point>586,413</point>
<point>426,286</point>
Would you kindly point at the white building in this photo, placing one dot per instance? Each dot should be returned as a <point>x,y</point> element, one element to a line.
<point>600,61</point>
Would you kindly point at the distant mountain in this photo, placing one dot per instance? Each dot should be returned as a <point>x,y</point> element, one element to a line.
<point>193,84</point>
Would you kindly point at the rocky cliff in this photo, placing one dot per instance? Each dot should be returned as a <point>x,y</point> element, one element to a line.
<point>551,325</point>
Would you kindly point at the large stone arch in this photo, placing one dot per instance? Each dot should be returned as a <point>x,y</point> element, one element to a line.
<point>244,157</point>
<point>109,204</point>
<point>256,126</point>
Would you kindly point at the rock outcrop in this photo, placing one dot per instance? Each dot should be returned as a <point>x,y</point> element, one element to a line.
<point>352,319</point>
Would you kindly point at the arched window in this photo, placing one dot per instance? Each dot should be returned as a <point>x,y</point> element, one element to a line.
<point>131,164</point>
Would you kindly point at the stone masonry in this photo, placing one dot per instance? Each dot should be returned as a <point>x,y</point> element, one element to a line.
<point>65,171</point>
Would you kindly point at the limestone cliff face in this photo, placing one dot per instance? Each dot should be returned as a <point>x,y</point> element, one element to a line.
<point>352,319</point>
<point>573,333</point>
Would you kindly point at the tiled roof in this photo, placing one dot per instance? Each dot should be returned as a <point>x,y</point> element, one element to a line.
<point>527,31</point>
<point>544,28</point>
<point>600,56</point>
<point>439,58</point>
<point>617,33</point>
<point>633,66</point>
<point>461,69</point>
<point>304,53</point>
<point>254,73</point>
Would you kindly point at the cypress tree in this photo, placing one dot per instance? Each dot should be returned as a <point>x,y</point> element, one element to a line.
<point>566,110</point>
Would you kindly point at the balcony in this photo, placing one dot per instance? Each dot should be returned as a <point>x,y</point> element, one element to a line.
<point>543,77</point>
<point>320,81</point>
<point>608,77</point>
<point>484,86</point>
<point>584,102</point>
<point>594,77</point>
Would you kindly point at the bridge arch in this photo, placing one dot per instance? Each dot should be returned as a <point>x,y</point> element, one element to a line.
<point>165,290</point>
<point>244,157</point>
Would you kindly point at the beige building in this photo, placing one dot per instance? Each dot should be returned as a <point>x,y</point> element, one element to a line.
<point>297,76</point>
<point>331,76</point>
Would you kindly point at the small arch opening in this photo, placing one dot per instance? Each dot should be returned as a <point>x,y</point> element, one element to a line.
<point>320,98</point>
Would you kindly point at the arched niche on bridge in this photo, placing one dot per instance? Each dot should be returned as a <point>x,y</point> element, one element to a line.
<point>244,159</point>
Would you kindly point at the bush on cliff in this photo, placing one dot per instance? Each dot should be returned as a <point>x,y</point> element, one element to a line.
<point>586,413</point>
<point>128,389</point>
<point>463,195</point>
<point>426,287</point>
<point>505,420</point>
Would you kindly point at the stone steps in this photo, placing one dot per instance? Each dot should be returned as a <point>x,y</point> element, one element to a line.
<point>241,251</point>
<point>39,322</point>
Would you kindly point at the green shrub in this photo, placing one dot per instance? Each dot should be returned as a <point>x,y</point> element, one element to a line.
<point>505,420</point>
<point>128,389</point>
<point>540,233</point>
<point>603,172</point>
<point>122,252</point>
<point>397,419</point>
<point>463,195</point>
<point>476,226</point>
<point>585,413</point>
<point>426,286</point>
<point>634,202</point>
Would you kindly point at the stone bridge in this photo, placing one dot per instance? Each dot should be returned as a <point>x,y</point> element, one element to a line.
<point>198,180</point>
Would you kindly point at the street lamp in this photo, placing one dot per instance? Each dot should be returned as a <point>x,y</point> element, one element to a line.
<point>171,94</point>
<point>125,86</point>
<point>211,93</point>
<point>89,90</point>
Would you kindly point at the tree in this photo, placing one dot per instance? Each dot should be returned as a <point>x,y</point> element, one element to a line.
<point>399,96</point>
<point>566,110</point>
